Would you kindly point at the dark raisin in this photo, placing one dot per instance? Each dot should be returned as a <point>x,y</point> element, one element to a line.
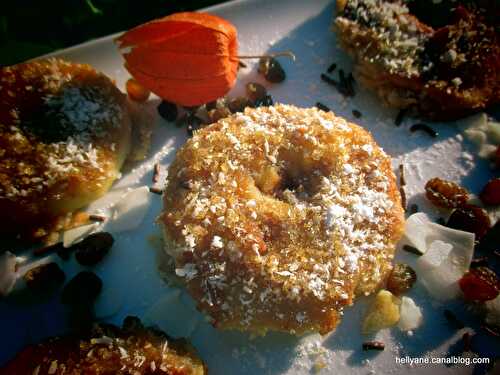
<point>266,101</point>
<point>239,104</point>
<point>401,279</point>
<point>271,69</point>
<point>255,91</point>
<point>219,113</point>
<point>167,110</point>
<point>93,248</point>
<point>446,194</point>
<point>44,277</point>
<point>491,193</point>
<point>82,289</point>
<point>470,218</point>
<point>480,284</point>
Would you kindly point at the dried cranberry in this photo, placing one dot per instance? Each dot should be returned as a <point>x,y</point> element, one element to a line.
<point>480,284</point>
<point>401,279</point>
<point>491,193</point>
<point>446,194</point>
<point>93,248</point>
<point>470,218</point>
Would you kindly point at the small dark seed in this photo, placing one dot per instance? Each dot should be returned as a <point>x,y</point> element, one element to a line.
<point>425,128</point>
<point>331,68</point>
<point>255,91</point>
<point>48,249</point>
<point>44,277</point>
<point>356,113</point>
<point>241,64</point>
<point>413,209</point>
<point>452,319</point>
<point>412,249</point>
<point>323,107</point>
<point>479,262</point>
<point>155,190</point>
<point>167,110</point>
<point>93,248</point>
<point>82,289</point>
<point>400,117</point>
<point>373,345</point>
<point>402,179</point>
<point>156,173</point>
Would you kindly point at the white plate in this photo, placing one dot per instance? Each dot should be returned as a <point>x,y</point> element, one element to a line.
<point>132,285</point>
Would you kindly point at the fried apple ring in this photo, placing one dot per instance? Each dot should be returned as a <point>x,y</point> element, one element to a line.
<point>279,216</point>
<point>65,132</point>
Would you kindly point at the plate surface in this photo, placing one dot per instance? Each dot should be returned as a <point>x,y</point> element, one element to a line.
<point>132,283</point>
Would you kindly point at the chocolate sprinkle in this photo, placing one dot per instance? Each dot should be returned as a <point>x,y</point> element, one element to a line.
<point>412,249</point>
<point>425,128</point>
<point>331,68</point>
<point>323,107</point>
<point>373,345</point>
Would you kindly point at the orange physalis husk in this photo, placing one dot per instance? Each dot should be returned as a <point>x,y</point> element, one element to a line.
<point>185,58</point>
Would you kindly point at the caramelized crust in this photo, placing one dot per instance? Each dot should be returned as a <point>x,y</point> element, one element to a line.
<point>278,217</point>
<point>64,135</point>
<point>444,73</point>
<point>109,351</point>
